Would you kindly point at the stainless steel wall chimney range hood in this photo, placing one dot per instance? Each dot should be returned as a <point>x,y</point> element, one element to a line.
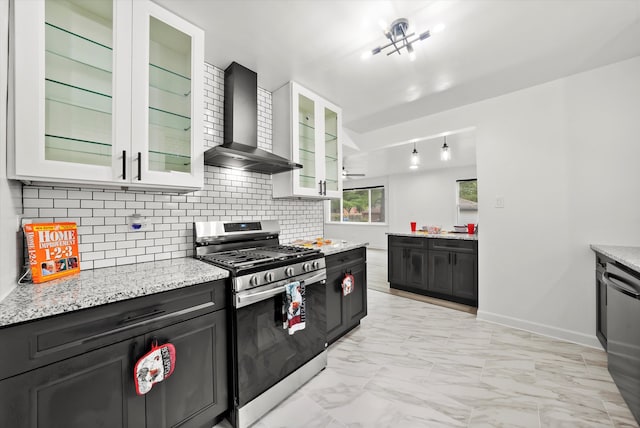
<point>240,149</point>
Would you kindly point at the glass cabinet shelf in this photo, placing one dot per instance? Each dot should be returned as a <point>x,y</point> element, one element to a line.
<point>159,161</point>
<point>77,48</point>
<point>66,149</point>
<point>306,131</point>
<point>63,69</point>
<point>75,96</point>
<point>167,119</point>
<point>169,81</point>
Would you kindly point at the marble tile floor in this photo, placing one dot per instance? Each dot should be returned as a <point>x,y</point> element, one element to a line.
<point>415,364</point>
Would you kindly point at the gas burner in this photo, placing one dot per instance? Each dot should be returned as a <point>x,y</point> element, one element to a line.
<point>250,257</point>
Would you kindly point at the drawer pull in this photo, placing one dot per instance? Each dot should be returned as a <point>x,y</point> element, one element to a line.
<point>153,313</point>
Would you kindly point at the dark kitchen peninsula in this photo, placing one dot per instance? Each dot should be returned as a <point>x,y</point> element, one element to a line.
<point>75,341</point>
<point>444,266</point>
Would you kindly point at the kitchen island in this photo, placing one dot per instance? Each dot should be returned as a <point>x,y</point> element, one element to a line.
<point>443,265</point>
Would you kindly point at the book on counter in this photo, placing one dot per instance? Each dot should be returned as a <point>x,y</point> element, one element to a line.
<point>52,249</point>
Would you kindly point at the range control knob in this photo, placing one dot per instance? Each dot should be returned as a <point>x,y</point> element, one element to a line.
<point>316,264</point>
<point>289,271</point>
<point>268,276</point>
<point>253,280</point>
<point>306,267</point>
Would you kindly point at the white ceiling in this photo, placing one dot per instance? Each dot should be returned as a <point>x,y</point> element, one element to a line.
<point>488,48</point>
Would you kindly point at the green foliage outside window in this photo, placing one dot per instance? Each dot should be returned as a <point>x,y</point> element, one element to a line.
<point>360,206</point>
<point>469,190</point>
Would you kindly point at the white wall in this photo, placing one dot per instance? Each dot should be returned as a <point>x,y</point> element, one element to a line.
<point>564,155</point>
<point>428,198</point>
<point>9,191</point>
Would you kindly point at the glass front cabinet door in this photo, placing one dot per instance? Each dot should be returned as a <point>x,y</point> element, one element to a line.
<point>168,103</point>
<point>76,95</point>
<point>306,129</point>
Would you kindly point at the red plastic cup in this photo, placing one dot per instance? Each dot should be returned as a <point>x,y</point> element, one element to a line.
<point>413,226</point>
<point>471,228</point>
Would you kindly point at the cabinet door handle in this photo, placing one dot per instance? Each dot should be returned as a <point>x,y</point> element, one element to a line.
<point>139,166</point>
<point>320,190</point>
<point>455,259</point>
<point>449,258</point>
<point>124,164</point>
<point>324,192</point>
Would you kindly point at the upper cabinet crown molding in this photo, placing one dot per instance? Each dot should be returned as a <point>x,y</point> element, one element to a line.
<point>106,93</point>
<point>308,130</point>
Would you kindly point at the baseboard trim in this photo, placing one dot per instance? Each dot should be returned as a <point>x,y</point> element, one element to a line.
<point>542,329</point>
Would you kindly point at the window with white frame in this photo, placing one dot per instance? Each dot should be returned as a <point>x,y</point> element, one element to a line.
<point>361,205</point>
<point>467,201</point>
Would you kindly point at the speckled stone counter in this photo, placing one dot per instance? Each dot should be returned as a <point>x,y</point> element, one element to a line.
<point>339,246</point>
<point>100,286</point>
<point>628,256</point>
<point>420,234</point>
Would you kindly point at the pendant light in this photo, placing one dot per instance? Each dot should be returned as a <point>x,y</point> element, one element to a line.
<point>415,158</point>
<point>445,154</point>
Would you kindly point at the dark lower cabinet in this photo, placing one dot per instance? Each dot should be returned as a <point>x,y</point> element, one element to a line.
<point>196,393</point>
<point>345,312</point>
<point>464,276</point>
<point>440,275</point>
<point>437,267</point>
<point>95,388</point>
<point>408,260</point>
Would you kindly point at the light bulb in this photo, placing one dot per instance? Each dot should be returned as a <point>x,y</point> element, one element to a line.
<point>412,53</point>
<point>415,158</point>
<point>445,154</point>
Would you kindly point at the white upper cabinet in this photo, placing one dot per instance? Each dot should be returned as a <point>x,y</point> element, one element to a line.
<point>107,93</point>
<point>307,129</point>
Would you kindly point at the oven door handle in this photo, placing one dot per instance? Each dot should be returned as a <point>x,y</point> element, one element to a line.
<point>245,299</point>
<point>315,278</point>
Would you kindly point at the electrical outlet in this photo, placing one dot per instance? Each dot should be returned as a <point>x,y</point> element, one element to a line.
<point>499,201</point>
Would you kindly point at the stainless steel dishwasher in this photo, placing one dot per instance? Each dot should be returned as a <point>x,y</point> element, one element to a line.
<point>623,327</point>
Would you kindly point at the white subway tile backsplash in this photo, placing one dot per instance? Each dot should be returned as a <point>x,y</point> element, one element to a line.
<point>105,238</point>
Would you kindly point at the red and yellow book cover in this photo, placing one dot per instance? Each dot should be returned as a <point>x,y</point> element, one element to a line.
<point>52,249</point>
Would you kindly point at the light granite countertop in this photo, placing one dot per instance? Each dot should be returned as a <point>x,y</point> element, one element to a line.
<point>339,245</point>
<point>628,256</point>
<point>336,246</point>
<point>445,235</point>
<point>101,286</point>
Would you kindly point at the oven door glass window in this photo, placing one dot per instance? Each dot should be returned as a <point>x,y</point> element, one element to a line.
<point>266,352</point>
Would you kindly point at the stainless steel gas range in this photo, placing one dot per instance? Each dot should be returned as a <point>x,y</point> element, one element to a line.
<point>269,360</point>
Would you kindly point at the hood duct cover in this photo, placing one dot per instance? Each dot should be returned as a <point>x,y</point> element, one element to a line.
<point>240,149</point>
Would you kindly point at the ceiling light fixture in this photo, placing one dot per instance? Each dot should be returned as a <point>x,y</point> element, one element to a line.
<point>399,39</point>
<point>445,154</point>
<point>415,158</point>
